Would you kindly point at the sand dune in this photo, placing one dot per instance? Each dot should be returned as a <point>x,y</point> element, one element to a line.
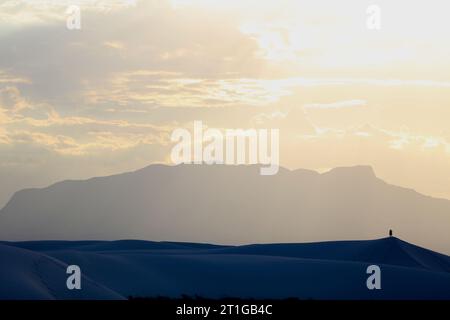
<point>329,270</point>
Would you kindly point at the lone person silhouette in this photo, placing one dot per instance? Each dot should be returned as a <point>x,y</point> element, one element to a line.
<point>390,232</point>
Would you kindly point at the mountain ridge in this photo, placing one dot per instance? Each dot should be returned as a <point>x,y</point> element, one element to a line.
<point>362,168</point>
<point>226,204</point>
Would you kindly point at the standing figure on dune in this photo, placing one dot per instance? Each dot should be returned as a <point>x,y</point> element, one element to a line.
<point>390,232</point>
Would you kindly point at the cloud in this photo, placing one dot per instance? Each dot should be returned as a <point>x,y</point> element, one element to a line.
<point>6,78</point>
<point>336,105</point>
<point>25,123</point>
<point>90,144</point>
<point>114,45</point>
<point>388,139</point>
<point>171,89</point>
<point>151,36</point>
<point>291,121</point>
<point>168,89</point>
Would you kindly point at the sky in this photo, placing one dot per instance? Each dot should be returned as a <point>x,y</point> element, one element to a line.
<point>104,99</point>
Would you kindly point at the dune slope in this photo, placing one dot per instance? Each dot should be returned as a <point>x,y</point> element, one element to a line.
<point>326,270</point>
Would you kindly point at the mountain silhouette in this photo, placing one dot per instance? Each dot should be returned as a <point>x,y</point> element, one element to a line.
<point>227,205</point>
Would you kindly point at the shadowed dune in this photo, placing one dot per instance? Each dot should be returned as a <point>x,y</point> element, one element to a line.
<point>327,270</point>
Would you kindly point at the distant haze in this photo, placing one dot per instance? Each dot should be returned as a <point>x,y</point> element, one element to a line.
<point>227,205</point>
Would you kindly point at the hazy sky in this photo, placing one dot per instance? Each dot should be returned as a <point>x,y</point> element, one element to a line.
<point>104,99</point>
